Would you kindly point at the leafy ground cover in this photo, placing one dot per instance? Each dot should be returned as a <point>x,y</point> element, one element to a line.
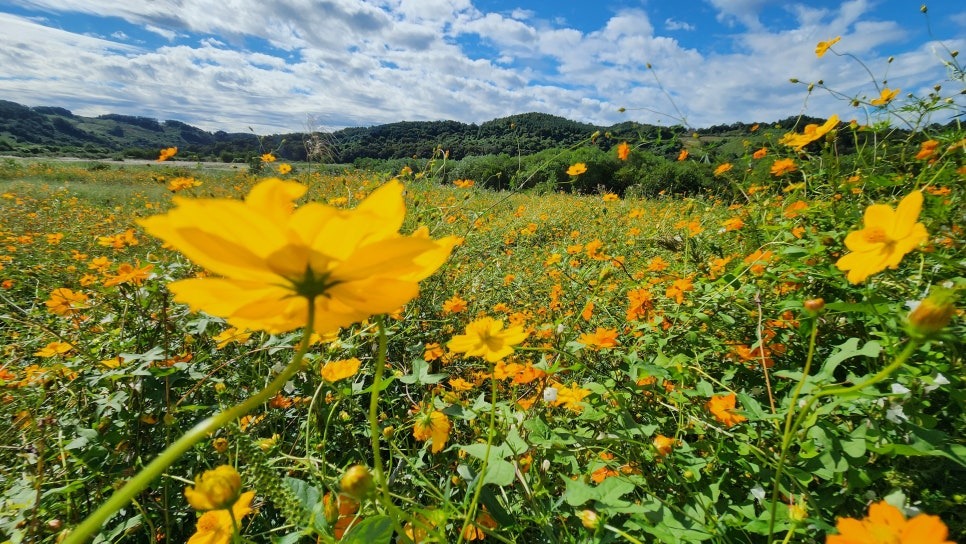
<point>756,364</point>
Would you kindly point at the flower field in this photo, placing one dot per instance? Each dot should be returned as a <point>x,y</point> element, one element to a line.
<point>213,356</point>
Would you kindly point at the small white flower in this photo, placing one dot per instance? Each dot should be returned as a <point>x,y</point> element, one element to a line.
<point>937,382</point>
<point>758,493</point>
<point>895,414</point>
<point>899,389</point>
<point>550,394</point>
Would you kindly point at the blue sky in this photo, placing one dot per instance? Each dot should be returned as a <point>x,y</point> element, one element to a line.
<point>293,65</point>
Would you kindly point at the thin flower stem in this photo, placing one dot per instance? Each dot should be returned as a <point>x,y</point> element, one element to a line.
<point>374,432</point>
<point>786,436</point>
<point>803,413</point>
<point>92,525</point>
<point>471,511</point>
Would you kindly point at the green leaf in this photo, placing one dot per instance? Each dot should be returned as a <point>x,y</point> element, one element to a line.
<point>850,348</point>
<point>499,472</point>
<point>421,375</point>
<point>608,492</point>
<point>372,530</point>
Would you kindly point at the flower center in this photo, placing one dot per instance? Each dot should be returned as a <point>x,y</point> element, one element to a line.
<point>876,235</point>
<point>311,284</point>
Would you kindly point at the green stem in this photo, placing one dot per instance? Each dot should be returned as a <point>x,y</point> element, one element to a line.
<point>786,436</point>
<point>803,413</point>
<point>471,511</point>
<point>92,525</point>
<point>375,432</point>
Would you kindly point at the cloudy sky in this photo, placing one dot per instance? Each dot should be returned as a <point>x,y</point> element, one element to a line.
<point>292,65</point>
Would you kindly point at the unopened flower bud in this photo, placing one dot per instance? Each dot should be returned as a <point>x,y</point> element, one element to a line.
<point>797,513</point>
<point>814,305</point>
<point>220,445</point>
<point>933,313</point>
<point>589,519</point>
<point>357,482</point>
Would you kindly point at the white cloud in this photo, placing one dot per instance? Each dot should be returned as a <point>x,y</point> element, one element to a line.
<point>673,24</point>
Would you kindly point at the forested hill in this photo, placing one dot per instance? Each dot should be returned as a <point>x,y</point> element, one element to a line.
<point>49,130</point>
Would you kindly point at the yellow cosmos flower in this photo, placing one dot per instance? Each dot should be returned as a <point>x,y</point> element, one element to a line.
<point>268,157</point>
<point>274,260</point>
<point>885,97</point>
<point>722,168</point>
<point>284,168</point>
<point>334,371</point>
<point>823,47</point>
<point>215,489</point>
<point>576,169</point>
<point>216,526</point>
<point>487,338</point>
<point>433,425</point>
<point>886,238</point>
<point>886,523</point>
<point>811,133</point>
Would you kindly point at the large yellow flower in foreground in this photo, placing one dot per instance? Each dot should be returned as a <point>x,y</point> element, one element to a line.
<point>886,238</point>
<point>887,525</point>
<point>274,258</point>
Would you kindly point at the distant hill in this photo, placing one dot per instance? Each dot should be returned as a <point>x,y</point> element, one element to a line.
<point>49,130</point>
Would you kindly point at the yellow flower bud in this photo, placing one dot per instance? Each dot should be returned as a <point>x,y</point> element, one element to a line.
<point>589,519</point>
<point>220,445</point>
<point>933,313</point>
<point>216,489</point>
<point>357,482</point>
<point>797,513</point>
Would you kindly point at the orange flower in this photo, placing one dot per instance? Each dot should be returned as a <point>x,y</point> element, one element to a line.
<point>576,169</point>
<point>182,183</point>
<point>721,169</point>
<point>623,151</point>
<point>887,524</point>
<point>760,154</point>
<point>663,444</point>
<point>683,154</point>
<point>782,167</point>
<point>65,302</point>
<point>601,338</point>
<point>334,371</point>
<point>454,305</point>
<point>927,150</point>
<point>128,273</point>
<point>464,183</point>
<point>639,303</point>
<point>167,153</point>
<point>678,288</point>
<point>722,408</point>
<point>268,157</point>
<point>733,223</point>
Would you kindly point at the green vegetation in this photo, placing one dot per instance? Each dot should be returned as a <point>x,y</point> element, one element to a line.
<point>652,338</point>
